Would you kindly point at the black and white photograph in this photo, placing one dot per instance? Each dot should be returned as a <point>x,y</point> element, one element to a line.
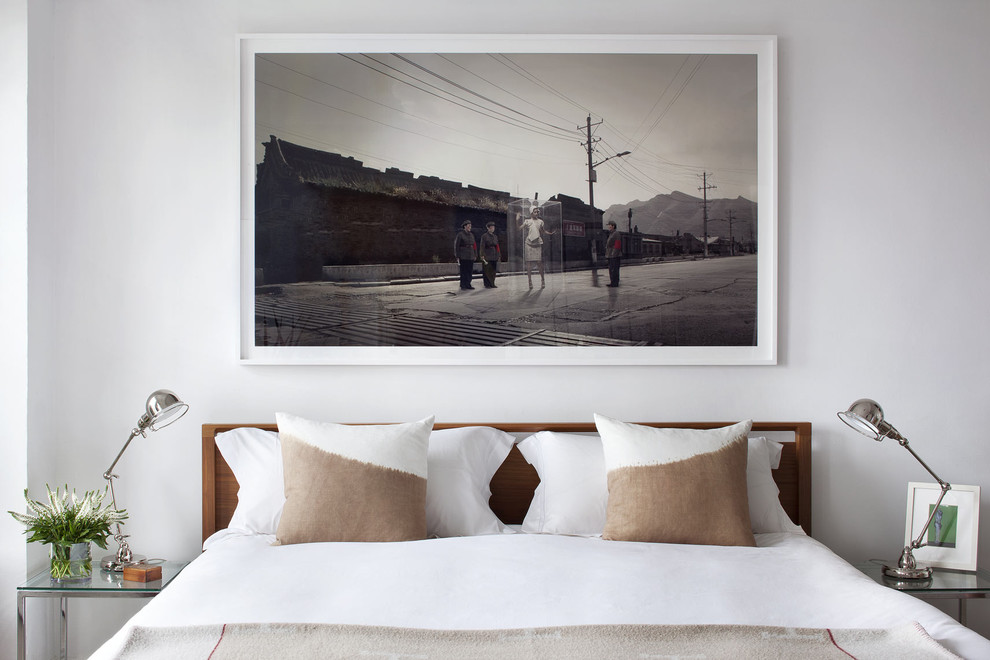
<point>512,204</point>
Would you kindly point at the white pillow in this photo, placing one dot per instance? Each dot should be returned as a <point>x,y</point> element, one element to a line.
<point>460,466</point>
<point>255,458</point>
<point>462,462</point>
<point>572,493</point>
<point>572,496</point>
<point>766,514</point>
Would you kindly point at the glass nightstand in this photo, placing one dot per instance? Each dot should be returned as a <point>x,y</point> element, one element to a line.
<point>944,583</point>
<point>101,585</point>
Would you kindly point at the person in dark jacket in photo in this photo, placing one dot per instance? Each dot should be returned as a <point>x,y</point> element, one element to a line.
<point>613,254</point>
<point>466,251</point>
<point>490,256</point>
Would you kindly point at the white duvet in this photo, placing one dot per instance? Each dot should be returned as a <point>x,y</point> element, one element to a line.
<point>531,580</point>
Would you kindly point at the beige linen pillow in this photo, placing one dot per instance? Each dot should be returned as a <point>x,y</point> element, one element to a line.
<point>352,483</point>
<point>676,485</point>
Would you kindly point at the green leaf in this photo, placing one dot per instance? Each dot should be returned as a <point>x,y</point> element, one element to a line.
<point>67,518</point>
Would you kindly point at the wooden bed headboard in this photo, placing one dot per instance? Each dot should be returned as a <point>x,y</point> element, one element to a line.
<point>513,485</point>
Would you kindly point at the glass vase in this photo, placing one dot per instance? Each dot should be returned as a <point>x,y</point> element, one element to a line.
<point>70,563</point>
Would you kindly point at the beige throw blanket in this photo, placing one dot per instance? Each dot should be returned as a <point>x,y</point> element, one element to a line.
<point>241,641</point>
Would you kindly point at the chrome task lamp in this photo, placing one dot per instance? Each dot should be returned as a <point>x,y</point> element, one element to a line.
<point>866,416</point>
<point>162,408</point>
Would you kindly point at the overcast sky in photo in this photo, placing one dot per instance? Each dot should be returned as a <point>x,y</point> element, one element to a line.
<point>510,122</point>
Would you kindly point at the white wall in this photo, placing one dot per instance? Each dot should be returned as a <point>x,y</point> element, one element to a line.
<point>883,202</point>
<point>14,294</point>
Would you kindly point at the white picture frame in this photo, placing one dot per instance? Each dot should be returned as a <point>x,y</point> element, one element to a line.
<point>955,544</point>
<point>762,351</point>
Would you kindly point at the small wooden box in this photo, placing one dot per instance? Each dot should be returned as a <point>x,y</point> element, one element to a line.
<point>142,573</point>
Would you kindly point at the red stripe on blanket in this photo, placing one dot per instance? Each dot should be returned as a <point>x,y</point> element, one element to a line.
<point>836,644</point>
<point>222,631</point>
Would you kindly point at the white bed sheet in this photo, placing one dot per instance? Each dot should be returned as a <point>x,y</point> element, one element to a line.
<point>530,580</point>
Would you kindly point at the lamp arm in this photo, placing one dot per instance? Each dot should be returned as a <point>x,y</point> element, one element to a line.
<point>124,551</point>
<point>918,542</point>
<point>108,475</point>
<point>943,484</point>
<point>946,487</point>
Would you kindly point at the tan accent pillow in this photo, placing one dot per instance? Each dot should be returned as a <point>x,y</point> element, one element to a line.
<point>676,485</point>
<point>352,483</point>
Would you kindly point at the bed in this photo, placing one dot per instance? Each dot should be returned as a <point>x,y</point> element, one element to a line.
<point>550,567</point>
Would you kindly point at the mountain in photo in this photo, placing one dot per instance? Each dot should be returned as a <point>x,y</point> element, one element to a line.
<point>679,212</point>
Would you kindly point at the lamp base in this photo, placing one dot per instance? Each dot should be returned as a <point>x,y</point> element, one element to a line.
<point>908,584</point>
<point>907,566</point>
<point>113,563</point>
<point>906,573</point>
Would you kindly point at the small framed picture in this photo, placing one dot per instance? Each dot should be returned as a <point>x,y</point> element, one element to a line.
<point>950,541</point>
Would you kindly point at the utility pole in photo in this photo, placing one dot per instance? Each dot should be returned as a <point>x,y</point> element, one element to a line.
<point>596,230</point>
<point>732,243</point>
<point>592,179</point>
<point>705,187</point>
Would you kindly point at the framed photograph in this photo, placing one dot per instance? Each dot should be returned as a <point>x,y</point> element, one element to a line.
<point>508,199</point>
<point>953,533</point>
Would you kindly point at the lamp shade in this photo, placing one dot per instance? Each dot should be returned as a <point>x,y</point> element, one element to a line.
<point>163,408</point>
<point>866,416</point>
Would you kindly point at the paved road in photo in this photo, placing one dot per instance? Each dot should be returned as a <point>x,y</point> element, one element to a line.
<point>675,303</point>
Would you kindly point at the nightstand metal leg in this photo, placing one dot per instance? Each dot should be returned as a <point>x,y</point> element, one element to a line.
<point>63,628</point>
<point>21,655</point>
